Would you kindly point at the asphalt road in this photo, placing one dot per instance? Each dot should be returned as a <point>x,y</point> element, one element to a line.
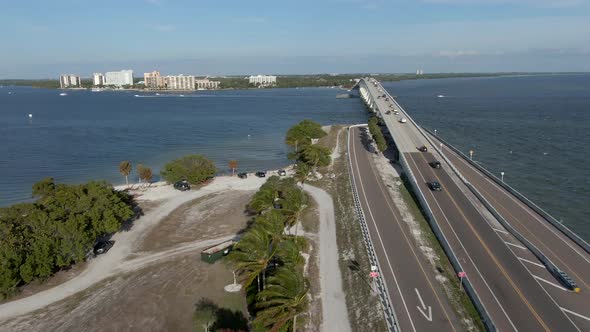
<point>417,298</point>
<point>512,296</point>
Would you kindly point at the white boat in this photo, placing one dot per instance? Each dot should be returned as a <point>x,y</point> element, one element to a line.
<point>157,94</point>
<point>136,95</point>
<point>441,96</point>
<point>182,95</point>
<point>63,94</point>
<point>96,90</point>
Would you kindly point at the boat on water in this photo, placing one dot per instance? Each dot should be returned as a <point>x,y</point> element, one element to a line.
<point>96,90</point>
<point>63,94</point>
<point>136,95</point>
<point>441,96</point>
<point>182,95</point>
<point>157,94</point>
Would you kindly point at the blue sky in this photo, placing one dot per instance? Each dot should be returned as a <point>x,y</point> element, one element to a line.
<point>43,38</point>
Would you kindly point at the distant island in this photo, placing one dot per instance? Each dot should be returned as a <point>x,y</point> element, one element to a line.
<point>283,81</point>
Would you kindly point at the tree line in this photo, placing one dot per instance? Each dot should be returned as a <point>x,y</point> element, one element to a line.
<point>377,134</point>
<point>267,258</point>
<point>307,155</point>
<point>59,229</point>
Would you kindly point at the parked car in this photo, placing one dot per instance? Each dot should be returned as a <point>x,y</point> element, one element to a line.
<point>282,172</point>
<point>423,148</point>
<point>261,174</point>
<point>242,175</point>
<point>182,185</point>
<point>103,246</point>
<point>435,164</point>
<point>434,186</point>
<point>403,120</point>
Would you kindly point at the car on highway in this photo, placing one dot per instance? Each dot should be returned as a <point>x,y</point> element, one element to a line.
<point>403,120</point>
<point>435,164</point>
<point>396,112</point>
<point>261,174</point>
<point>242,175</point>
<point>182,185</point>
<point>388,112</point>
<point>282,172</point>
<point>102,247</point>
<point>423,148</point>
<point>434,186</point>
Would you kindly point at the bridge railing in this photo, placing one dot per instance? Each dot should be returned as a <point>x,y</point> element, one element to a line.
<point>561,227</point>
<point>470,290</point>
<point>390,317</point>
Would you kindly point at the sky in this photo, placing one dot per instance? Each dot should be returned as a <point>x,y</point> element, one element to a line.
<point>42,39</point>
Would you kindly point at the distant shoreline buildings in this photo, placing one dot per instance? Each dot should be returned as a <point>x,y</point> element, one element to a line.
<point>262,80</point>
<point>69,81</point>
<point>156,81</point>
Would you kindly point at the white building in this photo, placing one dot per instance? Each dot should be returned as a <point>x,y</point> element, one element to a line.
<point>69,81</point>
<point>119,78</point>
<point>262,80</point>
<point>98,79</point>
<point>180,82</point>
<point>206,84</point>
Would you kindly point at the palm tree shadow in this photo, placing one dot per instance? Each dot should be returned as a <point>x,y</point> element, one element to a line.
<point>228,320</point>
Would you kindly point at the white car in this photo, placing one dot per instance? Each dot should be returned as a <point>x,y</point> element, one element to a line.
<point>403,120</point>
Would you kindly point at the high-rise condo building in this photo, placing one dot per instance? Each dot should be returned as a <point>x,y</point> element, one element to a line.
<point>98,79</point>
<point>69,81</point>
<point>119,78</point>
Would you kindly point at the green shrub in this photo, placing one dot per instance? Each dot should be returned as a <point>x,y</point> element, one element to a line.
<point>193,168</point>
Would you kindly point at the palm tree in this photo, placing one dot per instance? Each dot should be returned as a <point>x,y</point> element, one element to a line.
<point>265,198</point>
<point>284,298</point>
<point>316,155</point>
<point>294,203</point>
<point>125,169</point>
<point>252,255</point>
<point>302,172</point>
<point>233,165</point>
<point>290,253</point>
<point>273,222</point>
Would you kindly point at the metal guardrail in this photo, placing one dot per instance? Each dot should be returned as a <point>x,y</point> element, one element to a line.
<point>388,311</point>
<point>562,228</point>
<point>485,317</point>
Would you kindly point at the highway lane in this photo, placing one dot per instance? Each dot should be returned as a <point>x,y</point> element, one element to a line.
<point>407,137</point>
<point>525,303</point>
<point>418,301</point>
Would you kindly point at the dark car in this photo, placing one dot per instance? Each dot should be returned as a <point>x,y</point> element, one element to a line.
<point>282,172</point>
<point>435,164</point>
<point>261,174</point>
<point>423,148</point>
<point>103,246</point>
<point>388,112</point>
<point>434,186</point>
<point>182,185</point>
<point>242,175</point>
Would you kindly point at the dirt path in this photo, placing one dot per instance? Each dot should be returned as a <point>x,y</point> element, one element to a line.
<point>126,244</point>
<point>334,312</point>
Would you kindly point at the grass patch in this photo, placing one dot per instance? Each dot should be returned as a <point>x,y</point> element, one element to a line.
<point>458,298</point>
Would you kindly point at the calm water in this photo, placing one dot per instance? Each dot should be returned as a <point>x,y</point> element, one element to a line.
<point>534,128</point>
<point>85,135</point>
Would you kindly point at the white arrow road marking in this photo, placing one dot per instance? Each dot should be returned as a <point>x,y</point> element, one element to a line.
<point>423,309</point>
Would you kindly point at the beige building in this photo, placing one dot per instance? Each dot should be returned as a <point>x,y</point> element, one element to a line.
<point>206,84</point>
<point>154,80</point>
<point>180,82</point>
